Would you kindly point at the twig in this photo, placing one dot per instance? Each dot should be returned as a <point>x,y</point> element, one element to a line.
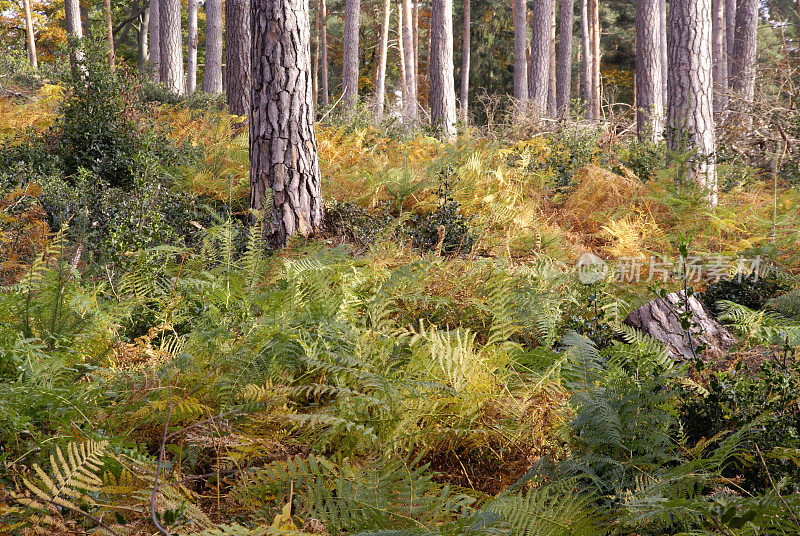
<point>198,423</point>
<point>775,489</point>
<point>158,526</point>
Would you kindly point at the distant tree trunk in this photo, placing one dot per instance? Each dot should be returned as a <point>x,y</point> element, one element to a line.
<point>443,91</point>
<point>564,57</point>
<point>72,15</point>
<point>30,36</point>
<point>649,103</point>
<point>539,81</point>
<point>352,13</point>
<point>109,20</point>
<point>520,51</point>
<point>730,34</point>
<point>551,92</point>
<point>415,30</point>
<point>401,53</point>
<point>744,49</point>
<point>380,78</point>
<point>154,37</point>
<point>142,46</point>
<point>191,48</point>
<point>212,74</point>
<point>410,105</point>
<point>719,50</point>
<point>237,55</point>
<point>465,60</point>
<point>594,33</point>
<point>283,145</point>
<point>171,45</point>
<point>324,56</point>
<point>690,111</point>
<point>586,59</point>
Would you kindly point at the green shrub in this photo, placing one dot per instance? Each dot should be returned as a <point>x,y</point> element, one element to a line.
<point>748,290</point>
<point>426,229</point>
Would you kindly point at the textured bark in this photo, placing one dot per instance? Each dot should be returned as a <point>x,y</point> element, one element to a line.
<point>443,91</point>
<point>283,145</point>
<point>401,55</point>
<point>659,319</point>
<point>154,38</point>
<point>690,113</point>
<point>212,74</point>
<point>594,34</point>
<point>520,51</point>
<point>142,45</point>
<point>415,31</point>
<point>539,74</point>
<point>649,85</point>
<point>586,59</point>
<point>109,22</point>
<point>730,33</point>
<point>72,15</point>
<point>410,104</point>
<point>323,8</point>
<point>465,60</point>
<point>719,52</point>
<point>31,40</point>
<point>564,57</point>
<point>551,92</point>
<point>170,42</point>
<point>191,48</point>
<point>380,77</point>
<point>352,13</point>
<point>743,77</point>
<point>664,61</point>
<point>237,55</point>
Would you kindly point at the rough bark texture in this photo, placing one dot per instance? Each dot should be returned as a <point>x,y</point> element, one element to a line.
<point>659,319</point>
<point>465,60</point>
<point>410,104</point>
<point>415,30</point>
<point>31,41</point>
<point>212,74</point>
<point>191,48</point>
<point>586,59</point>
<point>154,38</point>
<point>564,57</point>
<point>352,13</point>
<point>594,35</point>
<point>443,91</point>
<point>170,42</point>
<point>520,50</point>
<point>539,74</point>
<point>237,56</point>
<point>380,77</point>
<point>690,113</point>
<point>649,85</point>
<point>664,61</point>
<point>109,21</point>
<point>401,55</point>
<point>719,52</point>
<point>551,92</point>
<point>743,77</point>
<point>283,145</point>
<point>72,15</point>
<point>730,33</point>
<point>323,8</point>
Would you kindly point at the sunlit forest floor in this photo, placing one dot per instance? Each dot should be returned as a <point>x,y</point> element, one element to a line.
<point>431,363</point>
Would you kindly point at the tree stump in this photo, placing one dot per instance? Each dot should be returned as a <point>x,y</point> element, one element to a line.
<point>659,319</point>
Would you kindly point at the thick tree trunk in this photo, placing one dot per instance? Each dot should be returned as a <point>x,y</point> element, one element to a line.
<point>72,15</point>
<point>664,60</point>
<point>690,113</point>
<point>380,78</point>
<point>283,145</point>
<point>352,13</point>
<point>564,57</point>
<point>586,59</point>
<point>415,31</point>
<point>744,49</point>
<point>109,21</point>
<point>212,74</point>
<point>154,38</point>
<point>520,51</point>
<point>323,8</point>
<point>594,33</point>
<point>551,92</point>
<point>191,48</point>
<point>142,45</point>
<point>30,36</point>
<point>443,91</point>
<point>649,86</point>
<point>730,34</point>
<point>465,60</point>
<point>237,56</point>
<point>539,74</point>
<point>410,105</point>
<point>171,45</point>
<point>719,51</point>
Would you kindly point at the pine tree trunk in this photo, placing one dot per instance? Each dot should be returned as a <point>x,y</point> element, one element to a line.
<point>594,33</point>
<point>109,21</point>
<point>539,81</point>
<point>171,45</point>
<point>380,78</point>
<point>283,145</point>
<point>564,57</point>
<point>212,74</point>
<point>30,36</point>
<point>586,59</point>
<point>663,47</point>
<point>401,53</point>
<point>744,49</point>
<point>720,57</point>
<point>72,15</point>
<point>730,34</point>
<point>649,86</point>
<point>551,92</point>
<point>520,51</point>
<point>690,113</point>
<point>465,60</point>
<point>410,105</point>
<point>443,91</point>
<point>191,48</point>
<point>352,13</point>
<point>237,56</point>
<point>154,38</point>
<point>324,59</point>
<point>415,31</point>
<point>142,45</point>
